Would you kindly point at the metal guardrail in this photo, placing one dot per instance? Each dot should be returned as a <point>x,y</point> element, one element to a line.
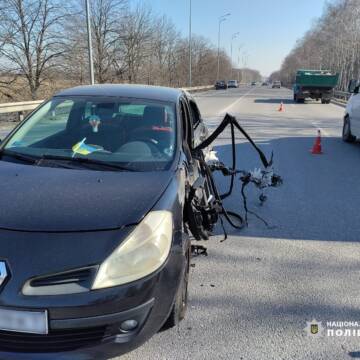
<point>198,88</point>
<point>341,98</point>
<point>21,107</point>
<point>344,95</point>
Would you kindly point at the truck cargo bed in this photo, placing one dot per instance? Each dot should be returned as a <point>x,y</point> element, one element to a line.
<point>316,78</point>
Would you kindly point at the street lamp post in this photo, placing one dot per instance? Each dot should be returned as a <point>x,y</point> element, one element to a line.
<point>244,60</point>
<point>91,63</point>
<point>238,62</point>
<point>231,50</point>
<point>190,65</point>
<point>221,19</point>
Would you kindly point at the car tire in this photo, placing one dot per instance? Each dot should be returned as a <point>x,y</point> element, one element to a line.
<point>346,133</point>
<point>179,308</point>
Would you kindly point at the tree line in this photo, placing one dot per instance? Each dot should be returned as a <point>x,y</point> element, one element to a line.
<point>43,48</point>
<point>332,44</point>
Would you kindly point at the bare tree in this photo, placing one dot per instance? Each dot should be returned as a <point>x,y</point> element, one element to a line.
<point>107,16</point>
<point>30,34</point>
<point>333,43</point>
<point>134,43</point>
<point>43,40</point>
<point>163,44</point>
<point>75,61</point>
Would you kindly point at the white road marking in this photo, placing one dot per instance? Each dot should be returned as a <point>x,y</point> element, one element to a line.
<point>224,111</point>
<point>323,132</point>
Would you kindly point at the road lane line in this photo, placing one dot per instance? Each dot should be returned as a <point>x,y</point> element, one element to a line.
<point>224,111</point>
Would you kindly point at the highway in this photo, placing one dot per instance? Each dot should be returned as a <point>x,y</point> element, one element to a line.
<point>253,295</point>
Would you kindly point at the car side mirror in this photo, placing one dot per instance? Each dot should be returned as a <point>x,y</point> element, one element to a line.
<point>353,85</point>
<point>204,133</point>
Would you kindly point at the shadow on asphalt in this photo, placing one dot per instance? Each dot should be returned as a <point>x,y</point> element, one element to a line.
<point>285,101</point>
<point>314,203</point>
<point>274,101</point>
<point>296,313</point>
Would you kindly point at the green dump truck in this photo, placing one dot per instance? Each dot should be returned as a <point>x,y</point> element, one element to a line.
<point>314,84</point>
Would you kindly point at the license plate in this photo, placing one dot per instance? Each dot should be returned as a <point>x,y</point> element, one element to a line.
<point>34,322</point>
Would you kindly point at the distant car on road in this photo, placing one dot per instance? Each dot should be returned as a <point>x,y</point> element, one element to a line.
<point>351,127</point>
<point>265,83</point>
<point>232,84</point>
<point>220,85</point>
<point>253,83</point>
<point>95,210</point>
<point>276,84</point>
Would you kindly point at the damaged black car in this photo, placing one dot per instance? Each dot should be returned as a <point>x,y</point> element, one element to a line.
<point>94,221</point>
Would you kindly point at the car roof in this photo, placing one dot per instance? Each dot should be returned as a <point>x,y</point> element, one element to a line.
<point>125,90</point>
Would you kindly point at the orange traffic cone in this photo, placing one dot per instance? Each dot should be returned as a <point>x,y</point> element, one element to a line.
<point>281,108</point>
<point>317,145</point>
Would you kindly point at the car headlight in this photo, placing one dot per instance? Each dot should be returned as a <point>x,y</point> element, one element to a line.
<point>144,251</point>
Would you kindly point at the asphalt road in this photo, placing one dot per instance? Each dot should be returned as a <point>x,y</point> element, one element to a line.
<point>252,296</point>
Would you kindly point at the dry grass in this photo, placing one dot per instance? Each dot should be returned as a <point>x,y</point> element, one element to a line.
<point>19,89</point>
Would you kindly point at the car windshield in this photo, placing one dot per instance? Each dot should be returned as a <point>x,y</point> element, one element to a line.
<point>139,134</point>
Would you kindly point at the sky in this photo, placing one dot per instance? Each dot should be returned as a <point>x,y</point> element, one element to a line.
<point>268,29</point>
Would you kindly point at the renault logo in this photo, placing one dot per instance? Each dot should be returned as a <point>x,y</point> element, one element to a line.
<point>3,272</point>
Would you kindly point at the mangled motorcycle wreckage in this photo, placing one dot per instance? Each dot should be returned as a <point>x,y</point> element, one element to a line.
<point>204,206</point>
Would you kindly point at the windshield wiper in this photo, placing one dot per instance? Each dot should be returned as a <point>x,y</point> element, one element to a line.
<point>85,161</point>
<point>19,156</point>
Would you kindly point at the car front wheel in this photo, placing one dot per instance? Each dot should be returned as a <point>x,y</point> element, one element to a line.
<point>180,305</point>
<point>346,134</point>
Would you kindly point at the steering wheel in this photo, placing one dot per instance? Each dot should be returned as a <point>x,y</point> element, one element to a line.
<point>152,143</point>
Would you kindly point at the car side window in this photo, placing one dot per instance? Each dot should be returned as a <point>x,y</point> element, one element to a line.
<point>195,113</point>
<point>187,123</point>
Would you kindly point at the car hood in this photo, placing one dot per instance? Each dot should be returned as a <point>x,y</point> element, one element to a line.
<point>52,200</point>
